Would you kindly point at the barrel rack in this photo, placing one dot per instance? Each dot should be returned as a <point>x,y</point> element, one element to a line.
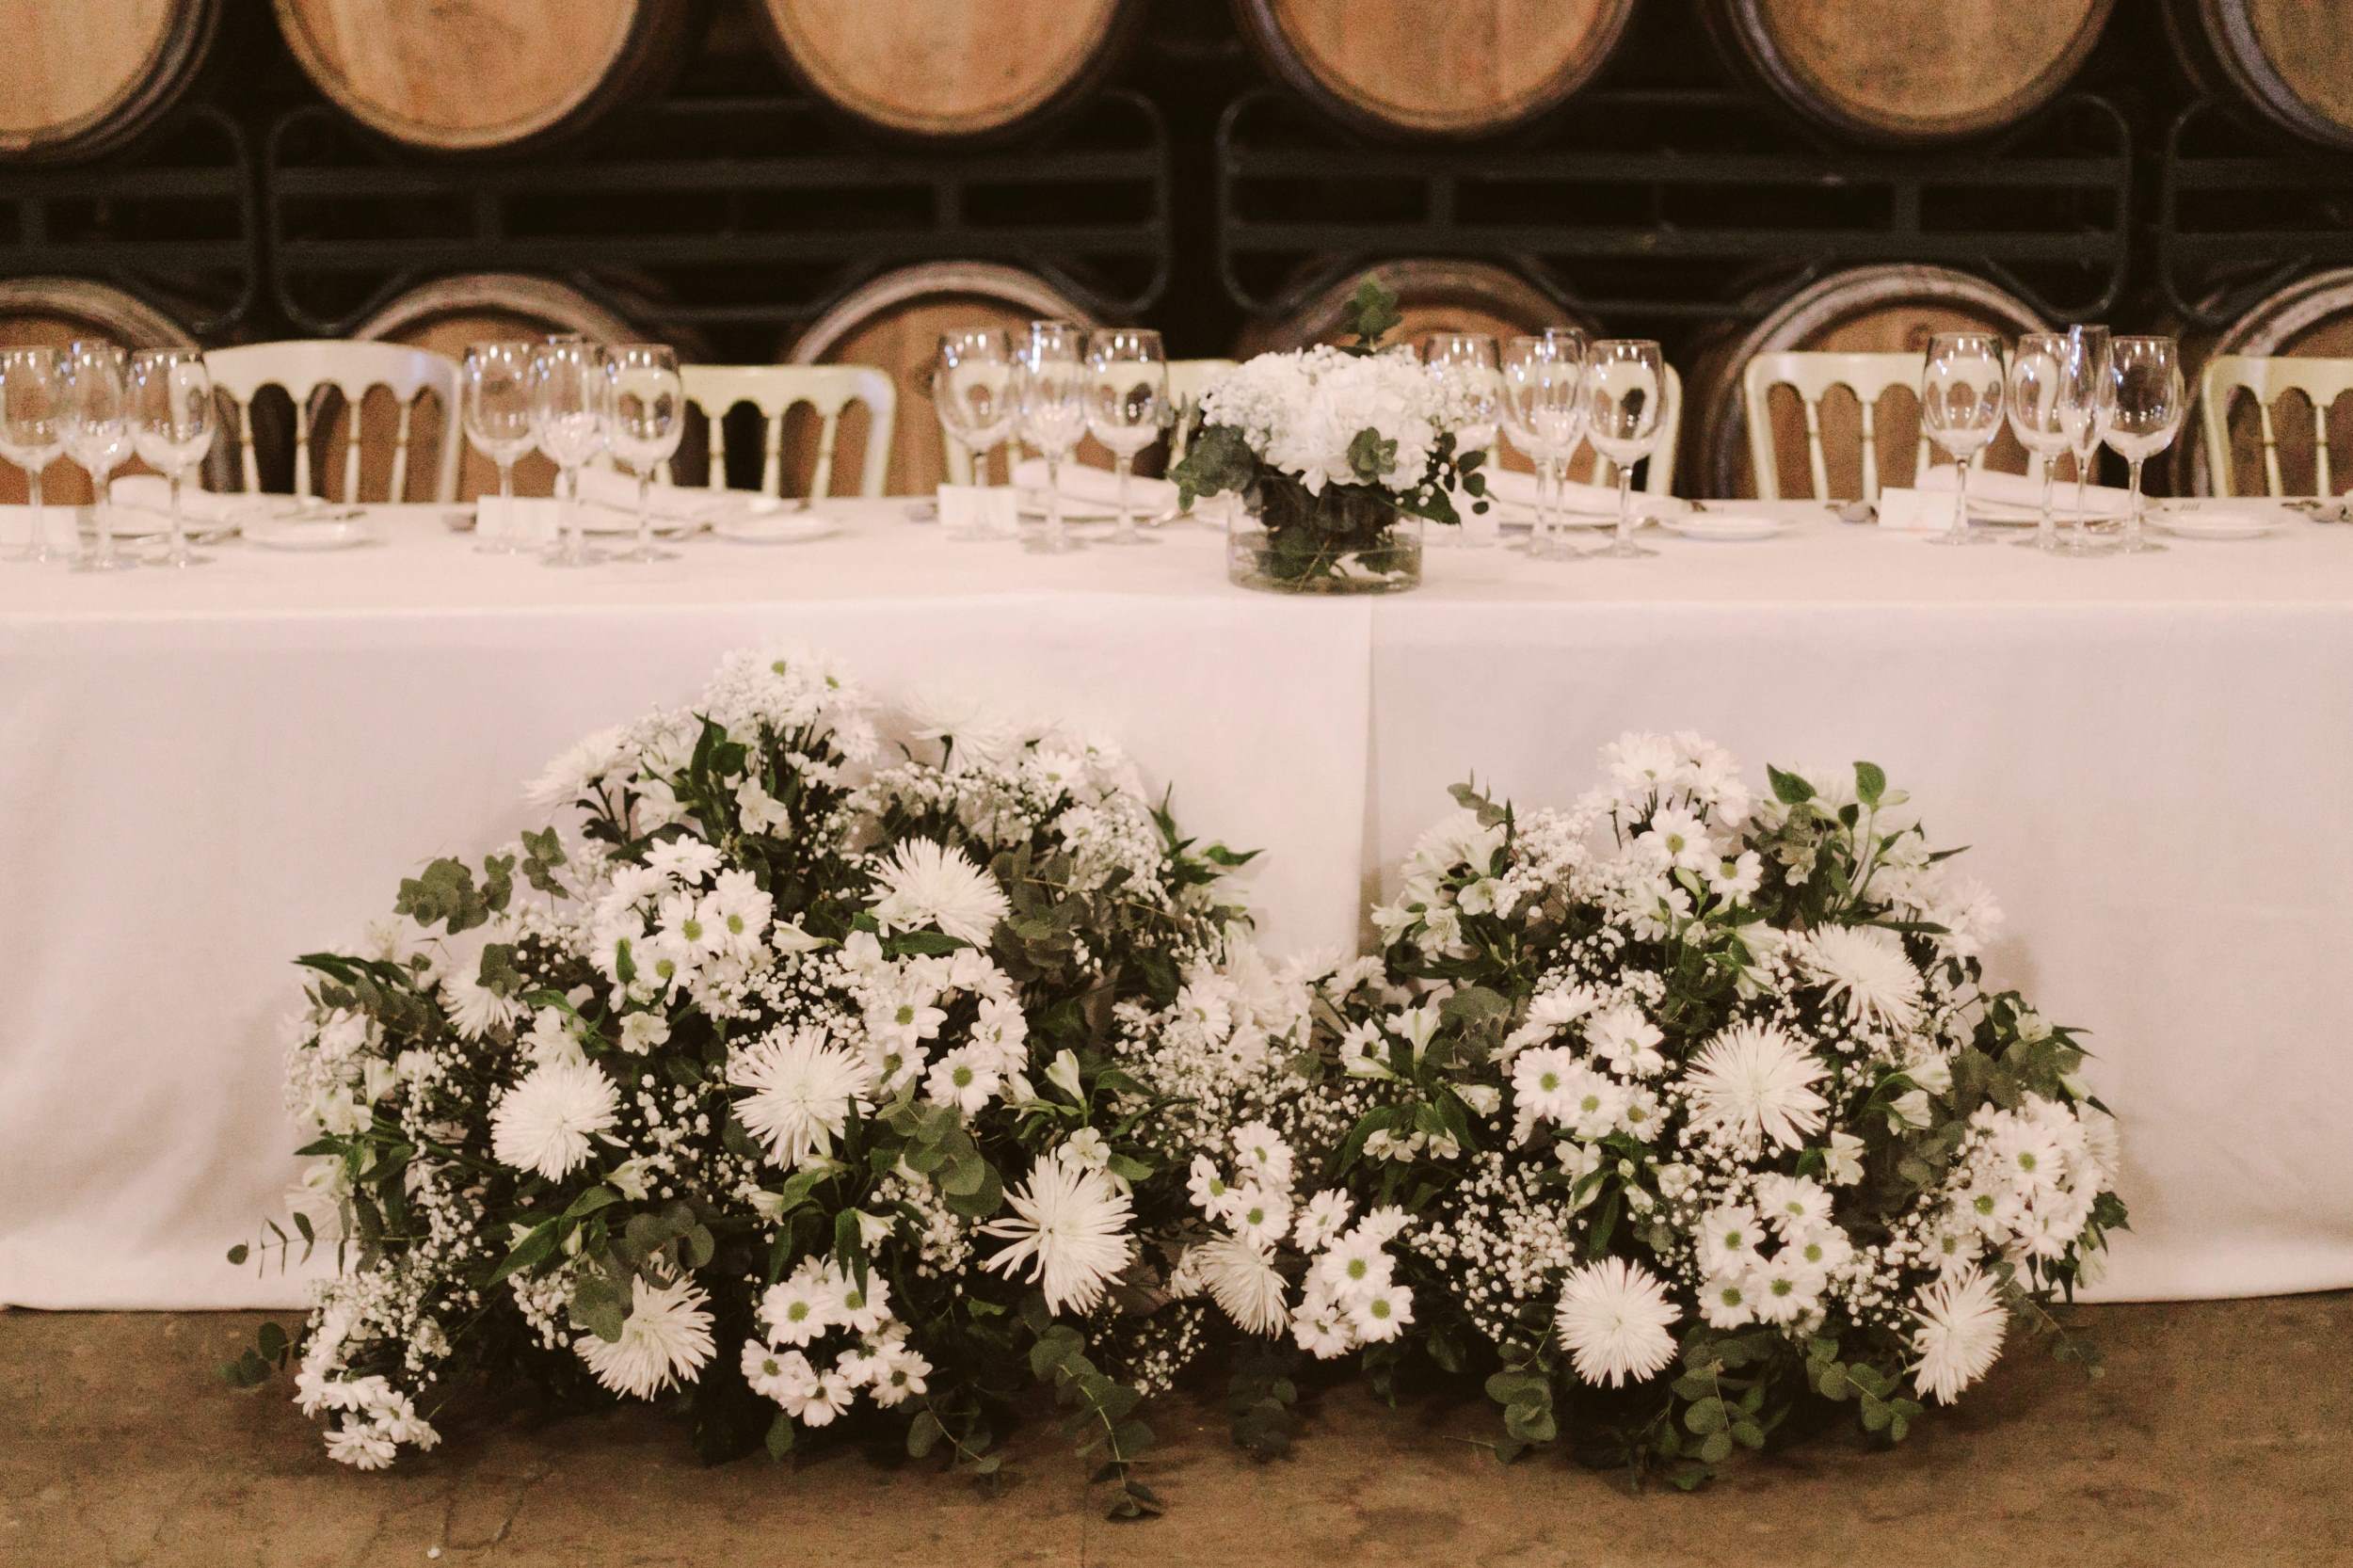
<point>2226,193</point>
<point>739,212</point>
<point>1657,206</point>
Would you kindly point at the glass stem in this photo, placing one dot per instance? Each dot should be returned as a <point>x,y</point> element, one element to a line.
<point>2046,534</point>
<point>1961,500</point>
<point>571,513</point>
<point>1054,500</point>
<point>510,537</point>
<point>178,527</point>
<point>1126,517</point>
<point>1626,503</point>
<point>2083,526</point>
<point>645,511</point>
<point>35,547</point>
<point>2132,524</point>
<point>104,516</point>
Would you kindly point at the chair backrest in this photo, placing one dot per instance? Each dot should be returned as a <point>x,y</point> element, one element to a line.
<point>774,390</point>
<point>1187,380</point>
<point>305,368</point>
<point>1813,375</point>
<point>2265,378</point>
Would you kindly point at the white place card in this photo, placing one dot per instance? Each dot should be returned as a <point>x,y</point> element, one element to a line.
<point>979,509</point>
<point>523,520</point>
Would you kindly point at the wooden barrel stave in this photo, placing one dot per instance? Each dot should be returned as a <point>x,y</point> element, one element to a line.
<point>2286,63</point>
<point>2311,318</point>
<point>1916,70</point>
<point>88,76</point>
<point>1866,310</point>
<point>1404,68</point>
<point>55,312</point>
<point>977,68</point>
<point>497,76</point>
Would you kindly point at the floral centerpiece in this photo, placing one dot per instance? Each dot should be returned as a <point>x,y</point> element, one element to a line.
<point>1337,456</point>
<point>1682,1120</point>
<point>770,1082</point>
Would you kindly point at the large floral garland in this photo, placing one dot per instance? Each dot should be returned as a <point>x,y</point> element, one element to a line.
<point>827,1093</point>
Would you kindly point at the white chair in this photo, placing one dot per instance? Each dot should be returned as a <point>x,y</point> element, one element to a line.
<point>1813,375</point>
<point>2265,378</point>
<point>307,369</point>
<point>1187,380</point>
<point>774,390</point>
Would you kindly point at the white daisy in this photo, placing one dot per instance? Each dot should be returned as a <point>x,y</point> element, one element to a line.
<point>1070,1225</point>
<point>929,884</point>
<point>1325,1216</point>
<point>544,1123</point>
<point>1753,1082</point>
<point>899,1373</point>
<point>1383,1313</point>
<point>1352,1268</point>
<point>1242,1279</point>
<point>798,1310</point>
<point>1961,1322</point>
<point>1613,1317</point>
<point>803,1087</point>
<point>666,1338</point>
<point>770,1371</point>
<point>359,1443</point>
<point>1865,966</point>
<point>1259,1215</point>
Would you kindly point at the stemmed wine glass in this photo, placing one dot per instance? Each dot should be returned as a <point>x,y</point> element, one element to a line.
<point>1471,365</point>
<point>571,401</point>
<point>2145,378</point>
<point>1960,408</point>
<point>648,416</point>
<point>1626,383</point>
<point>32,432</point>
<point>1052,395</point>
<point>171,427</point>
<point>972,387</point>
<point>2091,345</point>
<point>1543,408</point>
<point>2050,392</point>
<point>497,379</point>
<point>98,438</point>
<point>1127,406</point>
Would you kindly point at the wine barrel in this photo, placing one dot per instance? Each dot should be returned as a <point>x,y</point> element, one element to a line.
<point>1867,310</point>
<point>973,69</point>
<point>487,75</point>
<point>1405,68</point>
<point>2311,318</point>
<point>447,315</point>
<point>2287,62</point>
<point>85,78</point>
<point>1433,296</point>
<point>1905,71</point>
<point>56,311</point>
<point>895,321</point>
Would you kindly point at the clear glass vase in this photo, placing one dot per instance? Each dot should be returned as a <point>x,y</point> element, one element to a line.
<point>1339,542</point>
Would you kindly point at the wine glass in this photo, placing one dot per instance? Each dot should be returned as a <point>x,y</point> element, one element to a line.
<point>32,432</point>
<point>98,436</point>
<point>2145,377</point>
<point>1542,410</point>
<point>972,387</point>
<point>1961,408</point>
<point>497,380</point>
<point>648,416</point>
<point>171,427</point>
<point>1127,406</point>
<point>2050,390</point>
<point>1472,367</point>
<point>1625,382</point>
<point>1051,396</point>
<point>2091,344</point>
<point>572,399</point>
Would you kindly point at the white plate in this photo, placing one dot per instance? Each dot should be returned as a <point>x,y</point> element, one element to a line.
<point>334,534</point>
<point>603,522</point>
<point>1724,527</point>
<point>2206,523</point>
<point>1077,509</point>
<point>789,528</point>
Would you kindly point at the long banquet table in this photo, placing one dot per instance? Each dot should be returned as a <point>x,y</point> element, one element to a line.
<point>206,774</point>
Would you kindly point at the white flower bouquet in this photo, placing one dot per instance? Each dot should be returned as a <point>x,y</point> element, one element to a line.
<point>1337,454</point>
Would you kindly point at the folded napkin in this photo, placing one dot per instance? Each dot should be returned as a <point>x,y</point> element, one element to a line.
<point>2012,490</point>
<point>152,493</point>
<point>615,491</point>
<point>1518,491</point>
<point>521,521</point>
<point>1096,486</point>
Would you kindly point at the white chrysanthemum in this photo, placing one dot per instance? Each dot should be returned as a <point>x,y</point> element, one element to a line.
<point>1070,1225</point>
<point>801,1088</point>
<point>1961,1322</point>
<point>929,884</point>
<point>544,1123</point>
<point>666,1338</point>
<point>568,777</point>
<point>1242,1279</point>
<point>1866,967</point>
<point>1753,1082</point>
<point>947,713</point>
<point>1613,1317</point>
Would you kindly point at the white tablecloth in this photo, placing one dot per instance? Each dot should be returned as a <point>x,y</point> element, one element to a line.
<point>205,774</point>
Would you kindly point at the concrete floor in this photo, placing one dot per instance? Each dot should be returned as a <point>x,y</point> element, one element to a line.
<point>2222,1434</point>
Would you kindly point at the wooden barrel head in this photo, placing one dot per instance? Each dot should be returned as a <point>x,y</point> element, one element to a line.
<point>54,311</point>
<point>921,68</point>
<point>895,322</point>
<point>2289,62</point>
<point>475,75</point>
<point>1868,310</point>
<point>85,77</point>
<point>1467,69</point>
<point>447,315</point>
<point>1912,71</point>
<point>2312,318</point>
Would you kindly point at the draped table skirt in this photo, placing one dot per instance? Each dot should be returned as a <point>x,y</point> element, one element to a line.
<point>205,774</point>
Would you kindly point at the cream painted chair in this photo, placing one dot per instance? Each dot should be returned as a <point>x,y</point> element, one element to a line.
<point>774,390</point>
<point>307,369</point>
<point>1187,380</point>
<point>2266,379</point>
<point>1813,375</point>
